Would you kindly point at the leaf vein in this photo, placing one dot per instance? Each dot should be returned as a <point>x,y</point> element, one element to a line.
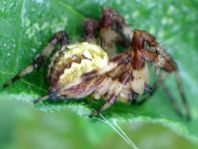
<point>71,8</point>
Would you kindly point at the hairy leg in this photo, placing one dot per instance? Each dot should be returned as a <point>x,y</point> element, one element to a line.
<point>118,83</point>
<point>59,38</point>
<point>172,100</point>
<point>108,104</point>
<point>183,97</point>
<point>108,31</point>
<point>149,90</point>
<point>90,30</point>
<point>51,96</point>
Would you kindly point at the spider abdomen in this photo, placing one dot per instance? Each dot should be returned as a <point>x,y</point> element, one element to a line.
<point>69,64</point>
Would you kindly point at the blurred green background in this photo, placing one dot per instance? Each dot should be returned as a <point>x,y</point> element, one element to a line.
<point>25,28</point>
<point>22,126</point>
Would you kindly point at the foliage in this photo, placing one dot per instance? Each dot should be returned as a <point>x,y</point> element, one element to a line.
<point>26,27</point>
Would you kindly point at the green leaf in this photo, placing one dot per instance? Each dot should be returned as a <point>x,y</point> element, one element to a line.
<point>26,27</point>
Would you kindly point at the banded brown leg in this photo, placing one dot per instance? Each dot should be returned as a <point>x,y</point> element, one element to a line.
<point>108,104</point>
<point>59,38</point>
<point>51,96</point>
<point>114,92</point>
<point>183,97</point>
<point>150,90</point>
<point>90,30</point>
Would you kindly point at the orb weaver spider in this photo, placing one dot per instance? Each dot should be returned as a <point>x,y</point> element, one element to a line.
<point>83,69</point>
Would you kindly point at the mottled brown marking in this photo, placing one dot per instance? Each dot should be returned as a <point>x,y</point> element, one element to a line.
<point>38,62</point>
<point>61,37</point>
<point>141,38</point>
<point>112,99</point>
<point>170,66</point>
<point>124,77</point>
<point>122,58</point>
<point>149,55</point>
<point>137,41</point>
<point>138,61</point>
<point>110,18</point>
<point>57,70</point>
<point>117,58</point>
<point>115,73</point>
<point>90,28</point>
<point>81,90</point>
<point>84,88</point>
<point>89,75</point>
<point>99,80</point>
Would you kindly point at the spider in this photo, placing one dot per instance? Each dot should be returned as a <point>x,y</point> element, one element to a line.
<point>82,69</point>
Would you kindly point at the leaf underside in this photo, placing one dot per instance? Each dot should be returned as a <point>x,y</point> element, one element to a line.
<point>26,27</point>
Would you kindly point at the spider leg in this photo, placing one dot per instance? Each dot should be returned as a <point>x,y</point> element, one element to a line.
<point>111,29</point>
<point>149,90</point>
<point>163,60</point>
<point>108,104</point>
<point>118,83</point>
<point>172,99</point>
<point>115,27</point>
<point>59,38</point>
<point>51,96</point>
<point>90,30</point>
<point>183,97</point>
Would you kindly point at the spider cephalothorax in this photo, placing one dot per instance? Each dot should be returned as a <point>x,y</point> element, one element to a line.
<point>83,69</point>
